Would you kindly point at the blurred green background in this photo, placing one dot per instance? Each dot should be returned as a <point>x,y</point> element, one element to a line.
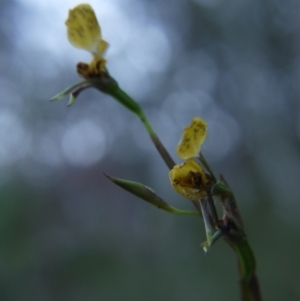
<point>66,232</point>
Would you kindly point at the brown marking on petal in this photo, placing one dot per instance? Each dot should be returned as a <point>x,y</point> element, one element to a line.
<point>95,69</point>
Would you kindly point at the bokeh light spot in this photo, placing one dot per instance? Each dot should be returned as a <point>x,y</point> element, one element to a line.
<point>15,140</point>
<point>83,143</point>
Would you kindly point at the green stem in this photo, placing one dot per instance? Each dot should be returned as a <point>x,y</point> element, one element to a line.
<point>158,144</point>
<point>212,208</point>
<point>206,165</point>
<point>110,86</point>
<point>248,281</point>
<point>126,100</point>
<point>246,258</point>
<point>133,106</point>
<point>209,227</point>
<point>250,289</point>
<point>206,246</point>
<point>235,237</point>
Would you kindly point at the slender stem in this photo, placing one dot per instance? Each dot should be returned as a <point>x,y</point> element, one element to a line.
<point>212,208</point>
<point>206,165</point>
<point>116,92</point>
<point>249,285</point>
<point>209,227</point>
<point>133,106</point>
<point>158,144</point>
<point>250,289</point>
<point>214,238</point>
<point>248,281</point>
<point>235,236</point>
<point>125,100</point>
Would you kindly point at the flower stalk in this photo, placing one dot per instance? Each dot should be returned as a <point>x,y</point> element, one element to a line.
<point>194,178</point>
<point>233,232</point>
<point>123,98</point>
<point>230,227</point>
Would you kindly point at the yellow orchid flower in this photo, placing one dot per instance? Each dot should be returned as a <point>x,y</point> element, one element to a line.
<point>84,32</point>
<point>189,179</point>
<point>192,138</point>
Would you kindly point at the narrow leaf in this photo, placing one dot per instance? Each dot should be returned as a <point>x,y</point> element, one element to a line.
<point>68,90</point>
<point>147,194</point>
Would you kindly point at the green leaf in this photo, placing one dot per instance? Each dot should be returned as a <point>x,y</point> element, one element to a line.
<point>72,99</point>
<point>147,194</point>
<point>69,90</point>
